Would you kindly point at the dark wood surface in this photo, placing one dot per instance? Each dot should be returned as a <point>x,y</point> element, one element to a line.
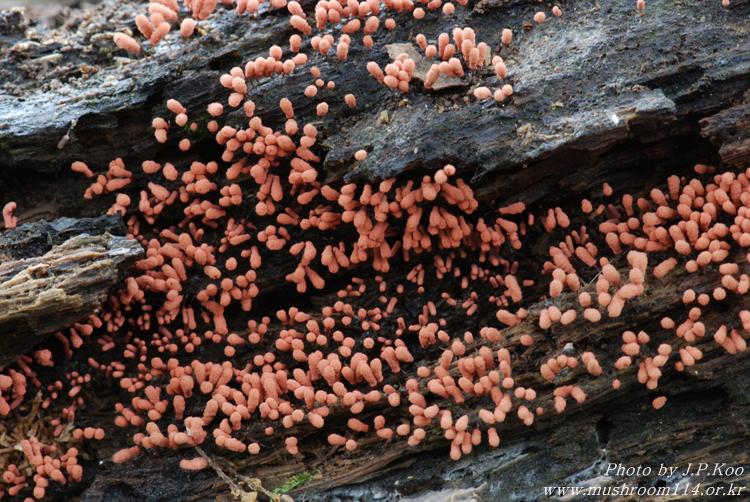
<point>675,81</point>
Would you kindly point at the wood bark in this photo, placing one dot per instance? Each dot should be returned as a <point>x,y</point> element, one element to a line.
<point>53,274</point>
<point>600,95</point>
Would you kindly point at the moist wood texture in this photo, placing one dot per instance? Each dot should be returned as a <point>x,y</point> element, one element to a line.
<point>600,95</point>
<point>54,274</point>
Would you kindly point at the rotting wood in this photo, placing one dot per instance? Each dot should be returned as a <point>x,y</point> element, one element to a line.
<point>614,65</point>
<point>45,287</point>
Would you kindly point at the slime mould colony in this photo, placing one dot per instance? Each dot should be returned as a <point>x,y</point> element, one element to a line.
<point>197,365</point>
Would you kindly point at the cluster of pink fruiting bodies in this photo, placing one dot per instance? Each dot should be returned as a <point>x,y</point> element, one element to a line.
<point>361,15</point>
<point>335,360</point>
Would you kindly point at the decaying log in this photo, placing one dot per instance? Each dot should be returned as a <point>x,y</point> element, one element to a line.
<point>53,274</point>
<point>599,95</point>
<point>730,130</point>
